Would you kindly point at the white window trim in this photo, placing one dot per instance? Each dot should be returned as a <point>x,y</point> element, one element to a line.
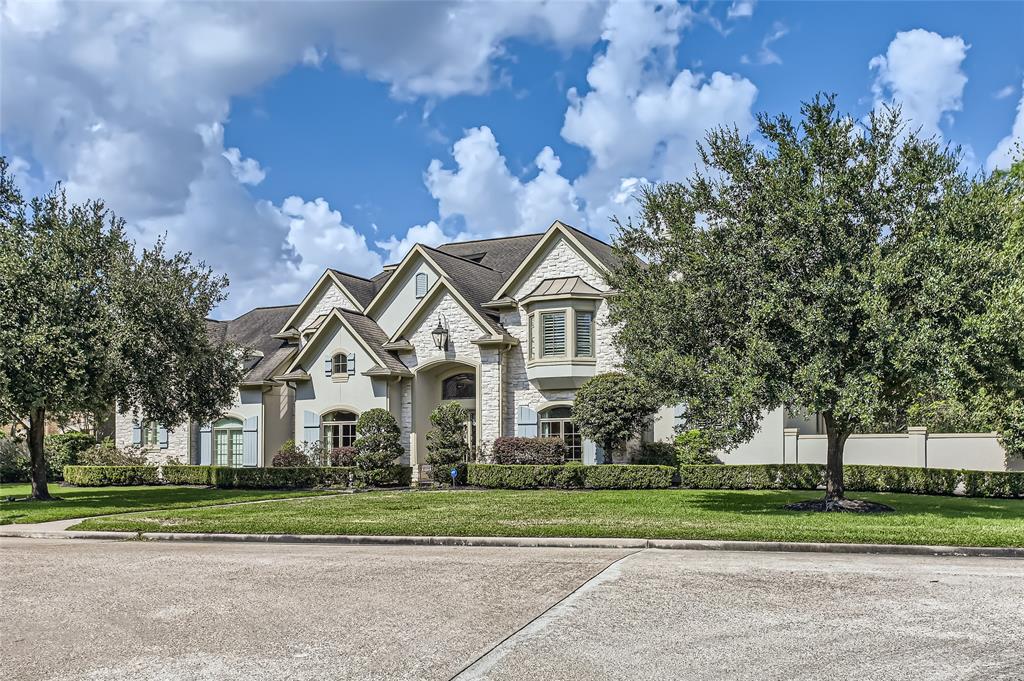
<point>342,376</point>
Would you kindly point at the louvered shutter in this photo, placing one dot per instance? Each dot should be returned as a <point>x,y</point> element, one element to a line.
<point>136,433</point>
<point>584,334</point>
<point>205,444</point>
<point>310,427</point>
<point>552,334</point>
<point>351,364</point>
<point>526,422</point>
<point>328,366</point>
<point>161,437</point>
<point>250,441</point>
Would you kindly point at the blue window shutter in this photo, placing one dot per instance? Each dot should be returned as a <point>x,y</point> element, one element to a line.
<point>421,284</point>
<point>310,426</point>
<point>250,441</point>
<point>205,445</point>
<point>589,452</point>
<point>136,433</point>
<point>526,422</point>
<point>351,364</point>
<point>161,437</point>
<point>328,366</point>
<point>599,454</point>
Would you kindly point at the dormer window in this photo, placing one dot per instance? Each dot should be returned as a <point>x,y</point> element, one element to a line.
<point>340,364</point>
<point>560,316</point>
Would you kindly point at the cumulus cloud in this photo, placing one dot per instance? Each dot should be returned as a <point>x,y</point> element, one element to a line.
<point>921,71</point>
<point>126,102</point>
<point>1010,147</point>
<point>429,234</point>
<point>741,9</point>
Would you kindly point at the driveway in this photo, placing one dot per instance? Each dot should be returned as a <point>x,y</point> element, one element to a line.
<point>86,609</point>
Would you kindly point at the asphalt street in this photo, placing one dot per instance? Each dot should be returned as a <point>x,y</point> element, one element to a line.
<point>89,609</point>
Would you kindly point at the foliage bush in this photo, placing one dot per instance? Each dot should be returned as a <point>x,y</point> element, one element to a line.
<point>528,450</point>
<point>655,454</point>
<point>446,443</point>
<point>282,478</point>
<point>380,440</point>
<point>103,476</point>
<point>14,461</point>
<point>612,408</point>
<point>343,456</point>
<point>569,476</point>
<point>106,453</point>
<point>392,475</point>
<point>290,456</point>
<point>694,447</point>
<point>187,475</point>
<point>907,480</point>
<point>64,449</point>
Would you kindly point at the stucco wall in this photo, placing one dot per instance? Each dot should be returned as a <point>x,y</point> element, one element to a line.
<point>322,393</point>
<point>397,307</point>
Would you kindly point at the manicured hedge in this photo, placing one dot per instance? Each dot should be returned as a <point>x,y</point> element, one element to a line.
<point>187,475</point>
<point>528,450</point>
<point>569,476</point>
<point>101,476</point>
<point>907,480</point>
<point>282,478</point>
<point>395,475</point>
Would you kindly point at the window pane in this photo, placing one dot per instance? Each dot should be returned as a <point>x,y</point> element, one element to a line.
<point>220,447</point>
<point>557,413</point>
<point>584,334</point>
<point>236,448</point>
<point>553,334</point>
<point>459,387</point>
<point>340,364</point>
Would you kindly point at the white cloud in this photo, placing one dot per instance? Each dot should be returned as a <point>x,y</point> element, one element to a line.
<point>245,170</point>
<point>1010,147</point>
<point>766,55</point>
<point>921,71</point>
<point>741,9</point>
<point>1004,92</point>
<point>429,234</point>
<point>126,102</point>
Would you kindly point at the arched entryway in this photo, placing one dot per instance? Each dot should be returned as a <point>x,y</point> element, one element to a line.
<point>443,381</point>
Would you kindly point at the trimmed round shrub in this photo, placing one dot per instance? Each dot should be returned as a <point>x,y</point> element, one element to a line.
<point>528,450</point>
<point>380,439</point>
<point>106,453</point>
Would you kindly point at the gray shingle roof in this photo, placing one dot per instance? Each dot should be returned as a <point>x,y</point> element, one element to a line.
<point>255,329</point>
<point>502,254</point>
<point>363,289</point>
<point>374,337</point>
<point>604,252</point>
<point>475,282</point>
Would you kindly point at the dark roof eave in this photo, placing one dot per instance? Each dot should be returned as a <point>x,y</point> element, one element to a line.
<point>503,303</point>
<point>503,339</point>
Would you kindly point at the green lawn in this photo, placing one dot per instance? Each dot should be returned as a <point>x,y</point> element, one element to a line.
<point>682,514</point>
<point>80,502</point>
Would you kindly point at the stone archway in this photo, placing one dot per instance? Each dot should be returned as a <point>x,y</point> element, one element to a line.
<point>428,382</point>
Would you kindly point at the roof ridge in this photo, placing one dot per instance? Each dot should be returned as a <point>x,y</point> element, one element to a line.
<point>494,238</point>
<point>349,274</point>
<point>588,235</point>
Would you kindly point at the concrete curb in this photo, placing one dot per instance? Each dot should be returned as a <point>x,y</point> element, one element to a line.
<point>539,542</point>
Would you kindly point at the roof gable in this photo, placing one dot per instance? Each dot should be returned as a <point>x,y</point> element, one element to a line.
<point>329,277</point>
<point>572,236</point>
<point>365,332</point>
<point>487,326</point>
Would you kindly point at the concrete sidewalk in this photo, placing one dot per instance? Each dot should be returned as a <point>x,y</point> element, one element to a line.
<point>151,611</point>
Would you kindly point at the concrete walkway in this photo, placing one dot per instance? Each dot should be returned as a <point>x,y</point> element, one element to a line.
<point>154,611</point>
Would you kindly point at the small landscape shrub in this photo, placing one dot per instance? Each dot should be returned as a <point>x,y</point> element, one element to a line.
<point>290,456</point>
<point>446,442</point>
<point>106,453</point>
<point>695,448</point>
<point>393,475</point>
<point>380,440</point>
<point>103,476</point>
<point>343,456</point>
<point>528,450</point>
<point>64,449</point>
<point>14,461</point>
<point>655,454</point>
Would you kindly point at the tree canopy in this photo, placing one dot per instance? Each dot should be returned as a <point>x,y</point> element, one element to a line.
<point>612,408</point>
<point>832,267</point>
<point>88,323</point>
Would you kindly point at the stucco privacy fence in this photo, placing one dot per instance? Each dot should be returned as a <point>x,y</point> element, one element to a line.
<point>915,448</point>
<point>902,479</point>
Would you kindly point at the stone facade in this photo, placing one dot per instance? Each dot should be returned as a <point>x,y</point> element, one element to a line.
<point>331,298</point>
<point>179,442</point>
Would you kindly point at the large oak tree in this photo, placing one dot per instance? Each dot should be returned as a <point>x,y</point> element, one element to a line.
<point>86,322</point>
<point>832,267</point>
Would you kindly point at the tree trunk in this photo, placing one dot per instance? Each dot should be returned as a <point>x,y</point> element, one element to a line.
<point>37,472</point>
<point>834,489</point>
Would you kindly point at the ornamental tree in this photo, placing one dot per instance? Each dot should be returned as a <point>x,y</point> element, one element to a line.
<point>380,439</point>
<point>832,268</point>
<point>611,409</point>
<point>87,323</point>
<point>446,442</point>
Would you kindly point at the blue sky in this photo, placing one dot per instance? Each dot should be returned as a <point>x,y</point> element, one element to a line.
<point>276,140</point>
